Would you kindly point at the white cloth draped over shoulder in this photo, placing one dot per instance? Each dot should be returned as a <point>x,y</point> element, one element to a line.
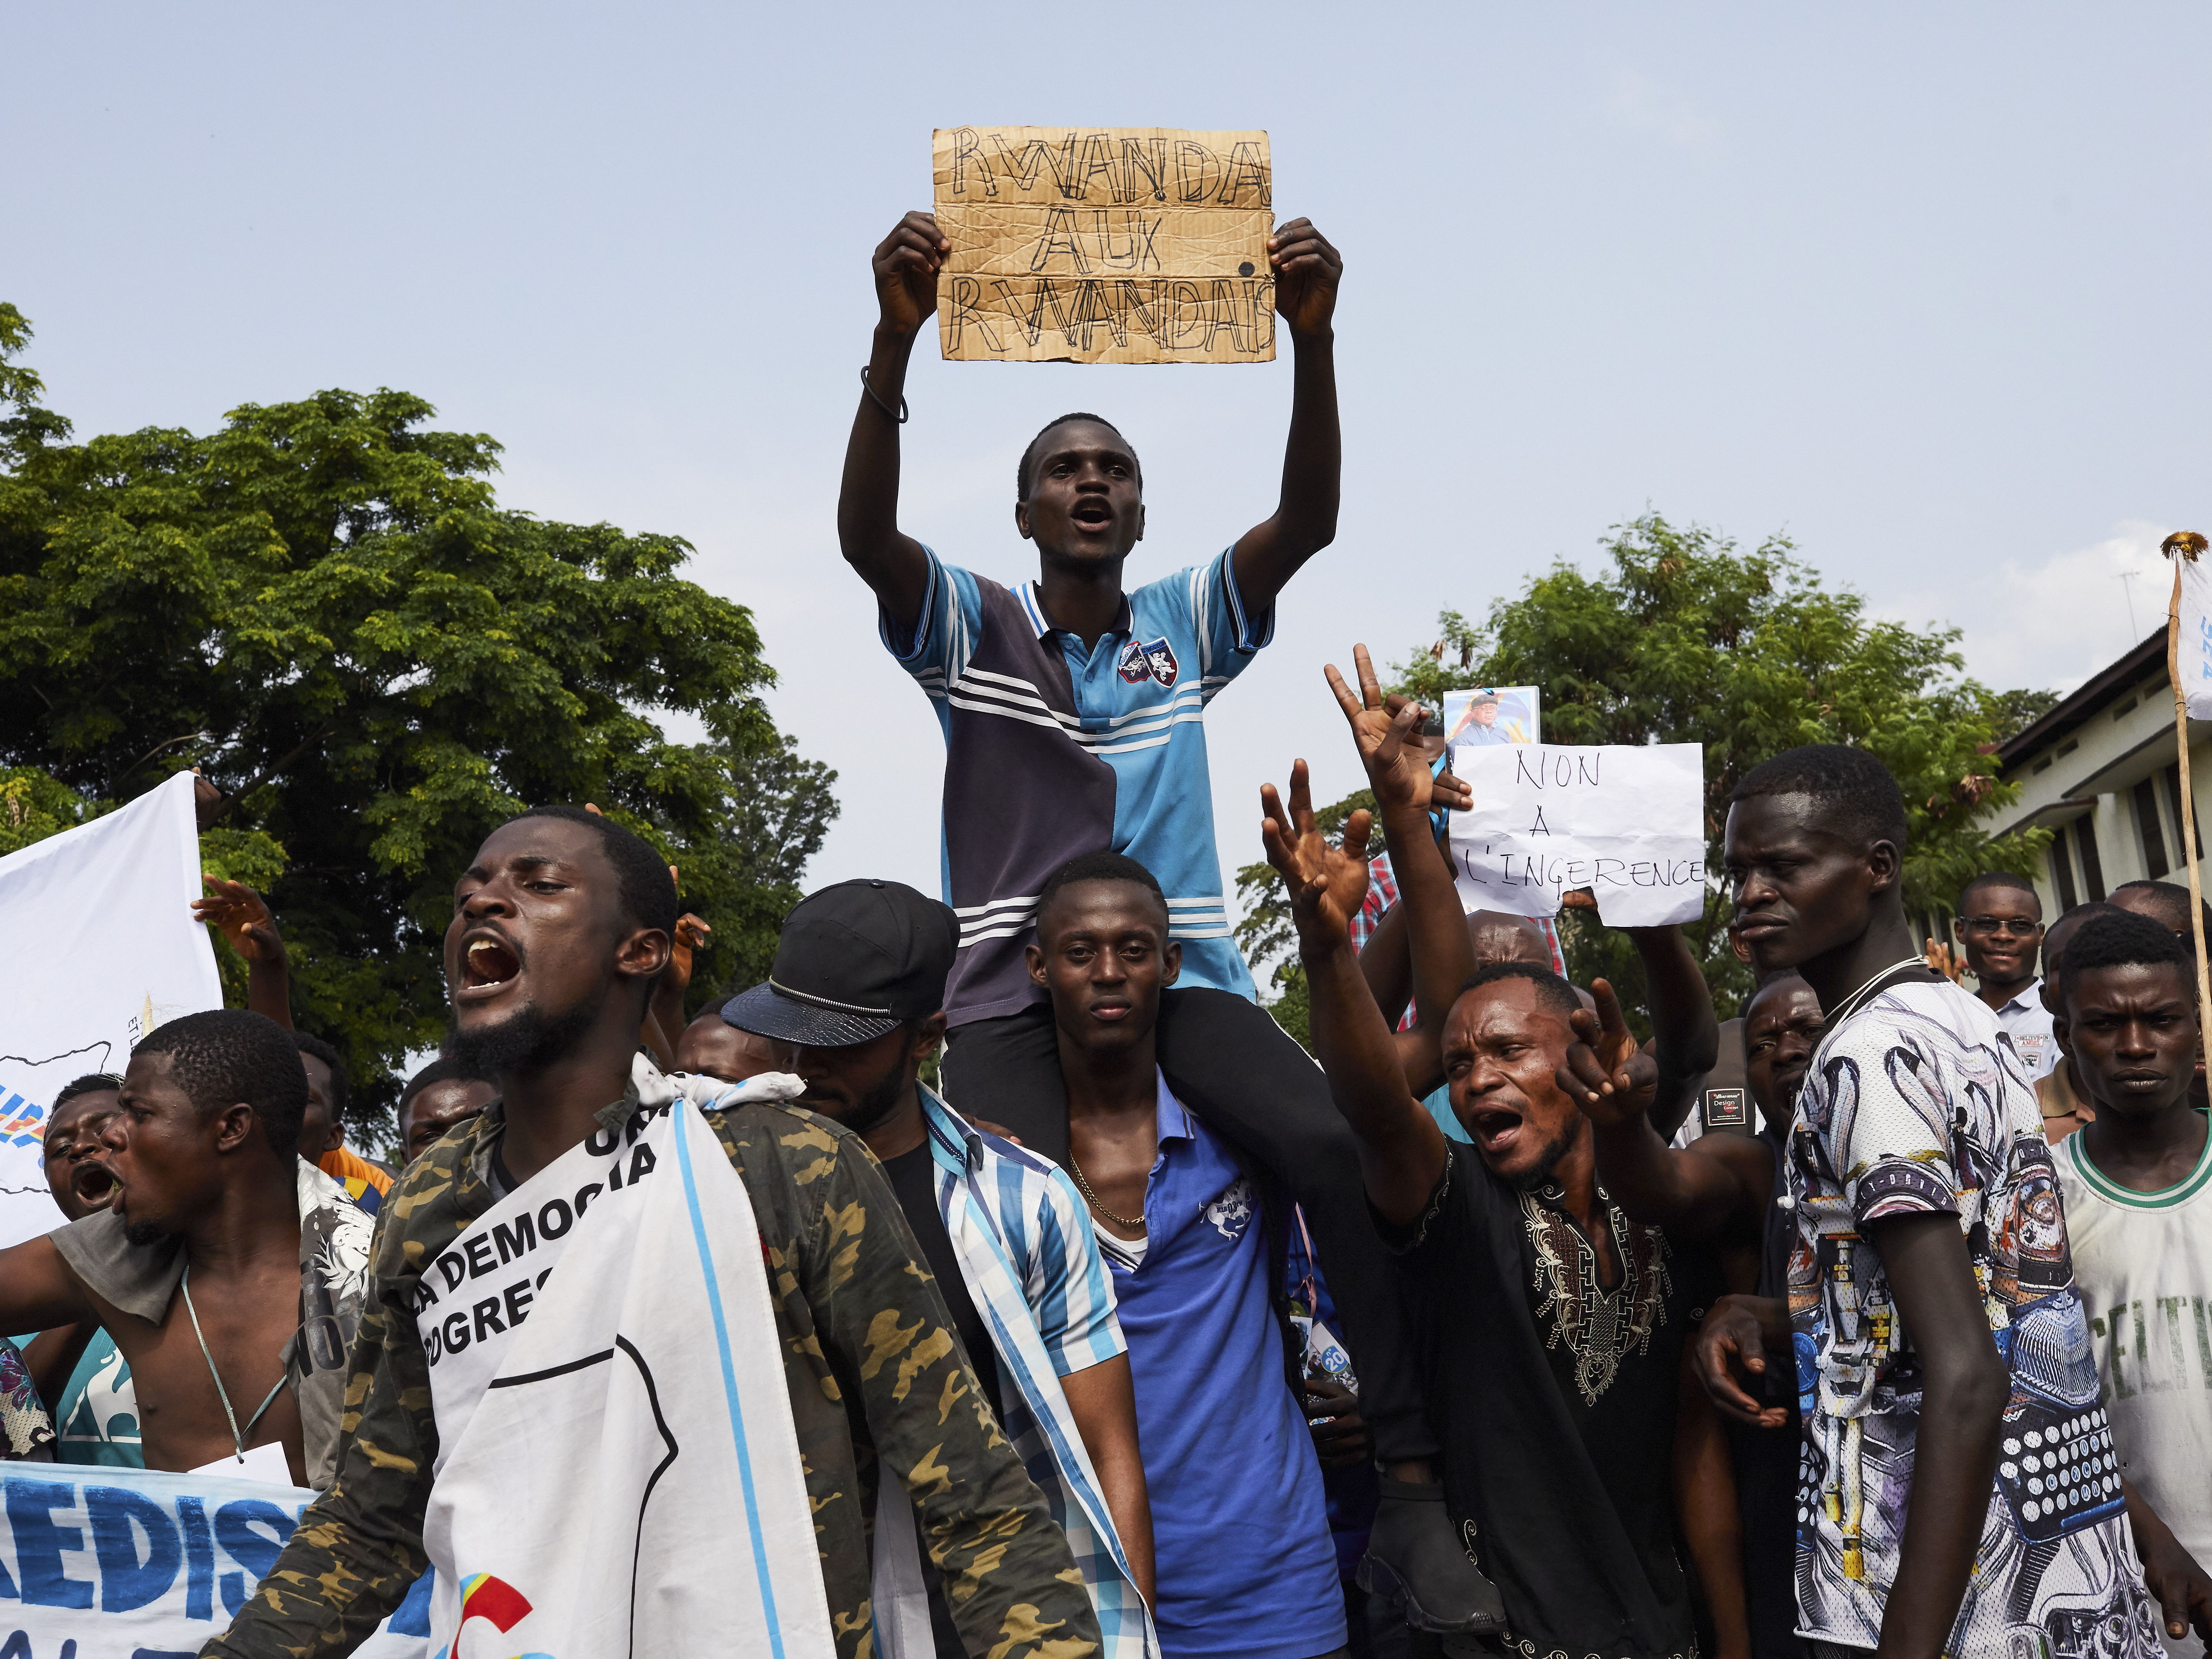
<point>618,1470</point>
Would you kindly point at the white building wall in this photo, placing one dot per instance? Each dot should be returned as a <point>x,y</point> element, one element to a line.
<point>2088,776</point>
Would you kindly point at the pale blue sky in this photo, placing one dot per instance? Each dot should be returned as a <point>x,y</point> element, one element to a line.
<point>1923,285</point>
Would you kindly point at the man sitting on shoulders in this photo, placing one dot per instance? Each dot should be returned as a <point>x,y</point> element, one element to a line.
<point>1197,1240</point>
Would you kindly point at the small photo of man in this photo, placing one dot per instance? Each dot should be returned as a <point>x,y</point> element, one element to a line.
<point>1488,714</point>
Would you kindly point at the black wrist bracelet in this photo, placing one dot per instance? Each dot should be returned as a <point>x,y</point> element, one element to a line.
<point>898,413</point>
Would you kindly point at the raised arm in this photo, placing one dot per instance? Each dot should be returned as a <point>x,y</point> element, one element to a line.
<point>1307,271</point>
<point>905,265</point>
<point>1689,1036</point>
<point>242,916</point>
<point>1695,1194</point>
<point>664,1013</point>
<point>1402,1151</point>
<point>1441,955</point>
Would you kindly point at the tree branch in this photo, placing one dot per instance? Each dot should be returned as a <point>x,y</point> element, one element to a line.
<point>270,771</point>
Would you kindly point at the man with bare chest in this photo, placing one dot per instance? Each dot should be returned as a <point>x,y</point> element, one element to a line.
<point>228,1273</point>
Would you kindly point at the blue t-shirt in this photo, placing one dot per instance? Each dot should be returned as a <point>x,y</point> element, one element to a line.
<point>1052,750</point>
<point>98,1422</point>
<point>1240,1528</point>
<point>97,1418</point>
<point>1438,1101</point>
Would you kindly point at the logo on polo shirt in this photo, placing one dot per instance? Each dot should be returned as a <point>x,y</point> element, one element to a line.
<point>1155,660</point>
<point>1231,1212</point>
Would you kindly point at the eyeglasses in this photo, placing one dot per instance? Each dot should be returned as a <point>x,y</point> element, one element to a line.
<point>2011,925</point>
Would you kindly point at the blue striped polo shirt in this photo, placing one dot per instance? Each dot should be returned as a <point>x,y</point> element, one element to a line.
<point>1052,750</point>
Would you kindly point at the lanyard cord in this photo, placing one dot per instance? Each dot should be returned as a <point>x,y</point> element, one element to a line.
<point>237,1435</point>
<point>1851,1004</point>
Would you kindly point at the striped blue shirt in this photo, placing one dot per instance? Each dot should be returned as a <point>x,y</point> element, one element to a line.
<point>1033,1269</point>
<point>1054,749</point>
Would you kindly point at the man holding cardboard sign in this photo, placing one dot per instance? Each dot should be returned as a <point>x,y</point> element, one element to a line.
<point>1074,714</point>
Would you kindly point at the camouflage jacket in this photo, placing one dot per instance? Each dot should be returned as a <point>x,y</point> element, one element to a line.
<point>875,1375</point>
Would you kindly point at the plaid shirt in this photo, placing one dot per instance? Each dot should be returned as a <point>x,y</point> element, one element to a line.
<point>1033,1270</point>
<point>1382,899</point>
<point>1382,895</point>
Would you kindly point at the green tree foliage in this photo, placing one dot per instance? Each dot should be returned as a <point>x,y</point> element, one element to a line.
<point>2018,710</point>
<point>323,607</point>
<point>1683,638</point>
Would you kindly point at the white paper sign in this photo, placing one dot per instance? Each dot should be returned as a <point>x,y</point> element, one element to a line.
<point>2195,655</point>
<point>101,947</point>
<point>1626,823</point>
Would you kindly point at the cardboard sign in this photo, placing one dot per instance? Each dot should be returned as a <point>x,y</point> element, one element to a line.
<point>1628,823</point>
<point>1106,244</point>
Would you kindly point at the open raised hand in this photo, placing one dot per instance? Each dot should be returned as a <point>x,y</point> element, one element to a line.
<point>240,916</point>
<point>1606,1073</point>
<point>1327,883</point>
<point>1396,770</point>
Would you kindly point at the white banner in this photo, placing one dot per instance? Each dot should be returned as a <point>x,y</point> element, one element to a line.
<point>101,947</point>
<point>2196,652</point>
<point>1628,823</point>
<point>618,1468</point>
<point>131,1564</point>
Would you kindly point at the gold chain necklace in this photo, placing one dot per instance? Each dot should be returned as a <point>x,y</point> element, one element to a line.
<point>1118,1220</point>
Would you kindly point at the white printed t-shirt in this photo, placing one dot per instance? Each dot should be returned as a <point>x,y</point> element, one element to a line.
<point>1917,1104</point>
<point>2144,1262</point>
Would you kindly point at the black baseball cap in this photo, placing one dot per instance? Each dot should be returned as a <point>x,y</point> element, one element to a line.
<point>854,961</point>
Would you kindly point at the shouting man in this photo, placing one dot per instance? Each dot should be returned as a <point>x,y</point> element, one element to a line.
<point>227,1270</point>
<point>1553,1325</point>
<point>560,927</point>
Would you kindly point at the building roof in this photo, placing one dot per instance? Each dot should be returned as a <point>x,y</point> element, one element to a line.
<point>2102,688</point>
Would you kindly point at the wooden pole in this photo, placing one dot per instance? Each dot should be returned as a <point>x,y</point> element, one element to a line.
<point>2182,545</point>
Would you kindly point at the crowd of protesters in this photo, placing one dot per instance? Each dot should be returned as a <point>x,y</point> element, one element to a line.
<point>1487,1334</point>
